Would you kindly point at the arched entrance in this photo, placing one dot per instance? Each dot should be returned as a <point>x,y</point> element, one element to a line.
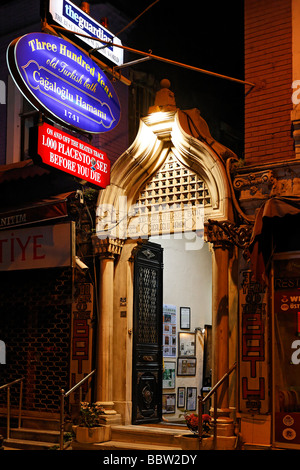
<point>168,183</point>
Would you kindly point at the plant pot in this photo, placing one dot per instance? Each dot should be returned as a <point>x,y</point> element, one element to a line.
<point>189,442</point>
<point>91,435</point>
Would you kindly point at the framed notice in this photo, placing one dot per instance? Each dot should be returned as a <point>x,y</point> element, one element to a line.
<point>191,398</point>
<point>187,344</point>
<point>186,366</point>
<point>169,375</point>
<point>180,397</point>
<point>185,318</point>
<point>168,403</point>
<point>169,331</point>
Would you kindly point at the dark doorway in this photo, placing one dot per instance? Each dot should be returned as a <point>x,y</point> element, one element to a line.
<point>147,335</point>
<point>35,327</point>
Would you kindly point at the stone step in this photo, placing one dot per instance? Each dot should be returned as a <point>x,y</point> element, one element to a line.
<point>50,424</point>
<point>122,445</point>
<point>21,444</point>
<point>147,435</point>
<point>253,446</point>
<point>35,435</point>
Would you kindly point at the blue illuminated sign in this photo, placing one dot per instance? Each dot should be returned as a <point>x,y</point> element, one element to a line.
<point>63,82</point>
<point>73,18</point>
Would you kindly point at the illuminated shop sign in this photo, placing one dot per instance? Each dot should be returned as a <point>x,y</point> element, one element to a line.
<point>64,152</point>
<point>253,350</point>
<point>286,362</point>
<point>63,82</point>
<point>49,210</point>
<point>286,349</point>
<point>71,17</point>
<point>38,247</point>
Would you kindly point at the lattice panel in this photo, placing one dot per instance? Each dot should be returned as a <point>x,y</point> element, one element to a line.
<point>173,184</point>
<point>173,201</point>
<point>147,305</point>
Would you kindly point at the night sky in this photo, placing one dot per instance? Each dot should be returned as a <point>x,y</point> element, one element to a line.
<point>208,35</point>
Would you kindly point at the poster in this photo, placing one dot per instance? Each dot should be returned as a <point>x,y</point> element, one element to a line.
<point>169,330</point>
<point>169,375</point>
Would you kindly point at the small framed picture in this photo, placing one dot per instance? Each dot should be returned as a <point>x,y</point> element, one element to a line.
<point>191,398</point>
<point>185,318</point>
<point>180,397</point>
<point>186,344</point>
<point>186,366</point>
<point>168,403</point>
<point>169,375</point>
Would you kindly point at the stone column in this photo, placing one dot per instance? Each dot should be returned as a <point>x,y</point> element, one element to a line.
<point>220,329</point>
<point>220,321</point>
<point>104,354</point>
<point>107,249</point>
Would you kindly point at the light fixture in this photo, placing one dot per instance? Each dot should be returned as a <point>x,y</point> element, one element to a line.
<point>80,264</point>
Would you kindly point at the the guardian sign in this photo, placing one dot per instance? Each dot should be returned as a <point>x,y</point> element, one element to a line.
<point>71,17</point>
<point>63,82</point>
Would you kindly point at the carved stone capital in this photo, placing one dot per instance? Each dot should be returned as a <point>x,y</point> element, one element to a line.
<point>107,247</point>
<point>252,181</point>
<point>256,187</point>
<point>226,235</point>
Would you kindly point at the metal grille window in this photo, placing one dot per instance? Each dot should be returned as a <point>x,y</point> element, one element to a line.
<point>147,305</point>
<point>173,184</point>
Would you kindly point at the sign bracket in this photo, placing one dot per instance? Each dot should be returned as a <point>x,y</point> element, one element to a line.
<point>133,62</point>
<point>153,56</point>
<point>51,29</point>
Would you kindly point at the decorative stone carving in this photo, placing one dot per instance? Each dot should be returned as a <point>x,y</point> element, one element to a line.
<point>252,181</point>
<point>164,98</point>
<point>107,246</point>
<point>227,234</point>
<point>256,187</point>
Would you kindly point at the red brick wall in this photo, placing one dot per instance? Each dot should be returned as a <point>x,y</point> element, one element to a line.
<point>268,63</point>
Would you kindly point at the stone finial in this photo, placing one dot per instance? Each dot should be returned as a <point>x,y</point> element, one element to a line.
<point>164,98</point>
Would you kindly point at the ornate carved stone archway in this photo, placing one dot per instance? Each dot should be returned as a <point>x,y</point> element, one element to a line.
<point>167,142</point>
<point>159,134</point>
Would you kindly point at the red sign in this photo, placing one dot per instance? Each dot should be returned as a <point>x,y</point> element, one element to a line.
<point>64,152</point>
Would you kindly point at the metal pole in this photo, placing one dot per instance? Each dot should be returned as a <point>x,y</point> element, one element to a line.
<point>8,414</point>
<point>61,424</point>
<point>20,403</point>
<point>153,56</point>
<point>200,418</point>
<point>215,418</point>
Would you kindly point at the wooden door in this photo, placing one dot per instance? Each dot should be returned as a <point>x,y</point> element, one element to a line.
<point>147,335</point>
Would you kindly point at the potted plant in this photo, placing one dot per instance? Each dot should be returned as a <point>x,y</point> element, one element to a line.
<point>89,428</point>
<point>191,441</point>
<point>192,423</point>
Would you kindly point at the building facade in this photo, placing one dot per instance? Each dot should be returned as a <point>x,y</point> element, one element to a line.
<point>48,300</point>
<point>250,223</point>
<point>190,258</point>
<point>267,190</point>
